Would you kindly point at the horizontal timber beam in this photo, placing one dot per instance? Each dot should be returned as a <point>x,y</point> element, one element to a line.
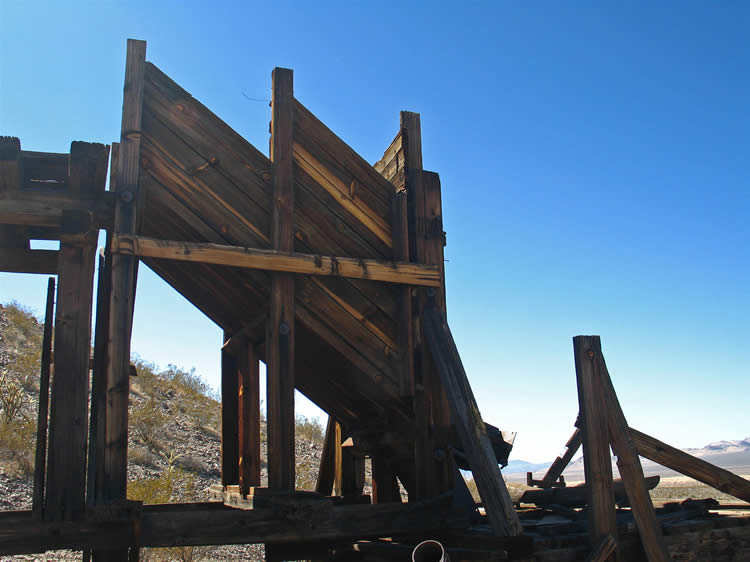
<point>61,211</point>
<point>212,523</point>
<point>271,260</point>
<point>16,260</point>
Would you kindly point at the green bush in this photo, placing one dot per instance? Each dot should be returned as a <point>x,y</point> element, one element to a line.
<point>309,429</point>
<point>147,422</point>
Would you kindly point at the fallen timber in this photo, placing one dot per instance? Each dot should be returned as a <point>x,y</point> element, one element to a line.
<point>331,271</point>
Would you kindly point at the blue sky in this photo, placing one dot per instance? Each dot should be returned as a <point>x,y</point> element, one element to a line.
<point>593,158</point>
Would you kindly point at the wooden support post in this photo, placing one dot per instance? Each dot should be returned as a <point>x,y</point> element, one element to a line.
<point>691,466</point>
<point>66,459</point>
<point>400,232</point>
<point>123,279</point>
<point>230,448</point>
<point>435,465</point>
<point>385,487</point>
<point>469,425</point>
<point>596,460</point>
<point>353,473</point>
<point>329,474</point>
<point>40,464</point>
<point>248,415</point>
<point>629,464</point>
<point>11,177</point>
<point>281,330</point>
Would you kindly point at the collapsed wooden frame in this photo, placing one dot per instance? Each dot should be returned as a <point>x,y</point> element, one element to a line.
<point>601,424</point>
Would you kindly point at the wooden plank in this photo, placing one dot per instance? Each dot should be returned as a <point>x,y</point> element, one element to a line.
<point>411,123</point>
<point>248,414</point>
<point>212,523</point>
<point>629,464</point>
<point>58,211</point>
<point>680,461</point>
<point>66,463</point>
<point>97,427</point>
<point>123,277</point>
<point>596,459</point>
<point>230,440</point>
<point>282,261</point>
<point>384,482</point>
<point>577,496</point>
<point>331,450</point>
<point>471,429</point>
<point>340,159</point>
<point>603,550</point>
<point>558,466</point>
<point>16,260</point>
<point>405,324</point>
<point>352,473</point>
<point>40,462</point>
<point>281,329</point>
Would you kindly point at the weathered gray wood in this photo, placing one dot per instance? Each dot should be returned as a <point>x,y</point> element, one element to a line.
<point>248,414</point>
<point>40,463</point>
<point>66,462</point>
<point>468,421</point>
<point>629,464</point>
<point>596,459</point>
<point>281,328</point>
<point>577,496</point>
<point>123,277</point>
<point>691,466</point>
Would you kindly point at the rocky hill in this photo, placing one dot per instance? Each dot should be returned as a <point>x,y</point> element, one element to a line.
<point>174,440</point>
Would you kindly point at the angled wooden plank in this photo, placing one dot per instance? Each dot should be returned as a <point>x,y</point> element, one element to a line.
<point>40,462</point>
<point>123,278</point>
<point>281,329</point>
<point>331,450</point>
<point>684,463</point>
<point>271,260</point>
<point>558,466</point>
<point>629,464</point>
<point>471,429</point>
<point>596,460</point>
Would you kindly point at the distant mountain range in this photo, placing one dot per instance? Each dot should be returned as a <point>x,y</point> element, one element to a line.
<point>731,455</point>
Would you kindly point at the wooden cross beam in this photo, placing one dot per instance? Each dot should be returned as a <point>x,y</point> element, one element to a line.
<point>280,261</point>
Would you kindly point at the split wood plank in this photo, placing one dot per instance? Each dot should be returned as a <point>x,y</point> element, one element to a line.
<point>471,429</point>
<point>329,473</point>
<point>281,328</point>
<point>230,444</point>
<point>691,466</point>
<point>597,462</point>
<point>123,277</point>
<point>40,463</point>
<point>271,260</point>
<point>248,370</point>
<point>628,462</point>
<point>18,260</point>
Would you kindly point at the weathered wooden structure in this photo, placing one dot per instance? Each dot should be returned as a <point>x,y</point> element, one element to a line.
<point>326,268</point>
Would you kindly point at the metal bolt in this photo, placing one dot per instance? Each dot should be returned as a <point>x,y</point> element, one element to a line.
<point>126,196</point>
<point>284,329</point>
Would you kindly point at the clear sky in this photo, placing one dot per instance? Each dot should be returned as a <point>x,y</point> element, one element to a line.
<point>593,158</point>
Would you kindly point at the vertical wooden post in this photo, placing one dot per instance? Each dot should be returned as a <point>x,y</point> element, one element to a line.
<point>629,465</point>
<point>405,325</point>
<point>40,464</point>
<point>248,415</point>
<point>11,177</point>
<point>66,459</point>
<point>352,473</point>
<point>123,278</point>
<point>97,425</point>
<point>435,466</point>
<point>281,331</point>
<point>597,463</point>
<point>384,482</point>
<point>230,440</point>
